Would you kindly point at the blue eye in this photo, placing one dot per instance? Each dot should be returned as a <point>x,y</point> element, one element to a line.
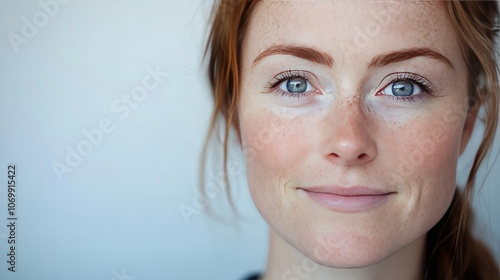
<point>403,88</point>
<point>293,83</point>
<point>296,85</point>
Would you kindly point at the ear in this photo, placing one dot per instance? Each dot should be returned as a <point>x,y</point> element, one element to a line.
<point>468,127</point>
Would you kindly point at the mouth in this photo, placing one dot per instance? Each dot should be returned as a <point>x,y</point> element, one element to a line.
<point>348,199</point>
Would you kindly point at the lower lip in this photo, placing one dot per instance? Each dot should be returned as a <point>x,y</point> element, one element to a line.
<point>349,204</point>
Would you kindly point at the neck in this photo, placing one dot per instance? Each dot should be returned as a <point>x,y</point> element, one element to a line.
<point>286,262</point>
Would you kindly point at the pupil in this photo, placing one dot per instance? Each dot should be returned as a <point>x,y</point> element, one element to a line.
<point>402,88</point>
<point>296,85</point>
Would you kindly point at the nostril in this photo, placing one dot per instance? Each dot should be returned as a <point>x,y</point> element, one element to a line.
<point>363,156</point>
<point>334,155</point>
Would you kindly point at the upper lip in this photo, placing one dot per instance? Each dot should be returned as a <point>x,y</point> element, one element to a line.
<point>347,191</point>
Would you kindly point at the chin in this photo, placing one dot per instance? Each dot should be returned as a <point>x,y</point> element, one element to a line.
<point>345,250</point>
<point>348,260</point>
<point>351,250</point>
<point>347,257</point>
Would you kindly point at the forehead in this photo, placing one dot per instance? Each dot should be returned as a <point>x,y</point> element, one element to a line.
<point>351,27</point>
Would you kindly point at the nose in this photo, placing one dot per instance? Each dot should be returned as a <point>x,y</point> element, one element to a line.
<point>349,138</point>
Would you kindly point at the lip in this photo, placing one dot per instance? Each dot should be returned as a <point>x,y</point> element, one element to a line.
<point>348,199</point>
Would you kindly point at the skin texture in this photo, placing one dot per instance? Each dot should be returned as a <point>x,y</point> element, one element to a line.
<point>348,131</point>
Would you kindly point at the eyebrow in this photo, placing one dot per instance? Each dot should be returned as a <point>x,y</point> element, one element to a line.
<point>298,51</point>
<point>406,54</point>
<point>327,60</point>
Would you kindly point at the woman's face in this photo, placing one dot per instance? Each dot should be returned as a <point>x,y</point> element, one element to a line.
<point>352,117</point>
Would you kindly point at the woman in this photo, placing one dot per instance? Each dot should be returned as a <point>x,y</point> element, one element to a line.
<point>352,116</point>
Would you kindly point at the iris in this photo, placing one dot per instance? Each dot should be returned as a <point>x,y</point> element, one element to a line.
<point>402,88</point>
<point>296,85</point>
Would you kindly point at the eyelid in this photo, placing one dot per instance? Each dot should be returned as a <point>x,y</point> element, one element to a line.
<point>420,81</point>
<point>290,74</point>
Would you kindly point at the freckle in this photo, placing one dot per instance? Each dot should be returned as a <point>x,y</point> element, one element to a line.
<point>352,100</point>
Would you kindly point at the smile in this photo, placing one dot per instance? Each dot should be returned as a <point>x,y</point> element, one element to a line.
<point>348,200</point>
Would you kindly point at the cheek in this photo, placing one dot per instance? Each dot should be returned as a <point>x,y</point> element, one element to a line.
<point>426,166</point>
<point>273,144</point>
<point>275,148</point>
<point>429,151</point>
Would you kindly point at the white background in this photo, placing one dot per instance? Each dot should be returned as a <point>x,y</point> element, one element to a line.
<point>116,215</point>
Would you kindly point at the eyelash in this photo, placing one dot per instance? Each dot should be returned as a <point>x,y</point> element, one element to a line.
<point>273,85</point>
<point>422,83</point>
